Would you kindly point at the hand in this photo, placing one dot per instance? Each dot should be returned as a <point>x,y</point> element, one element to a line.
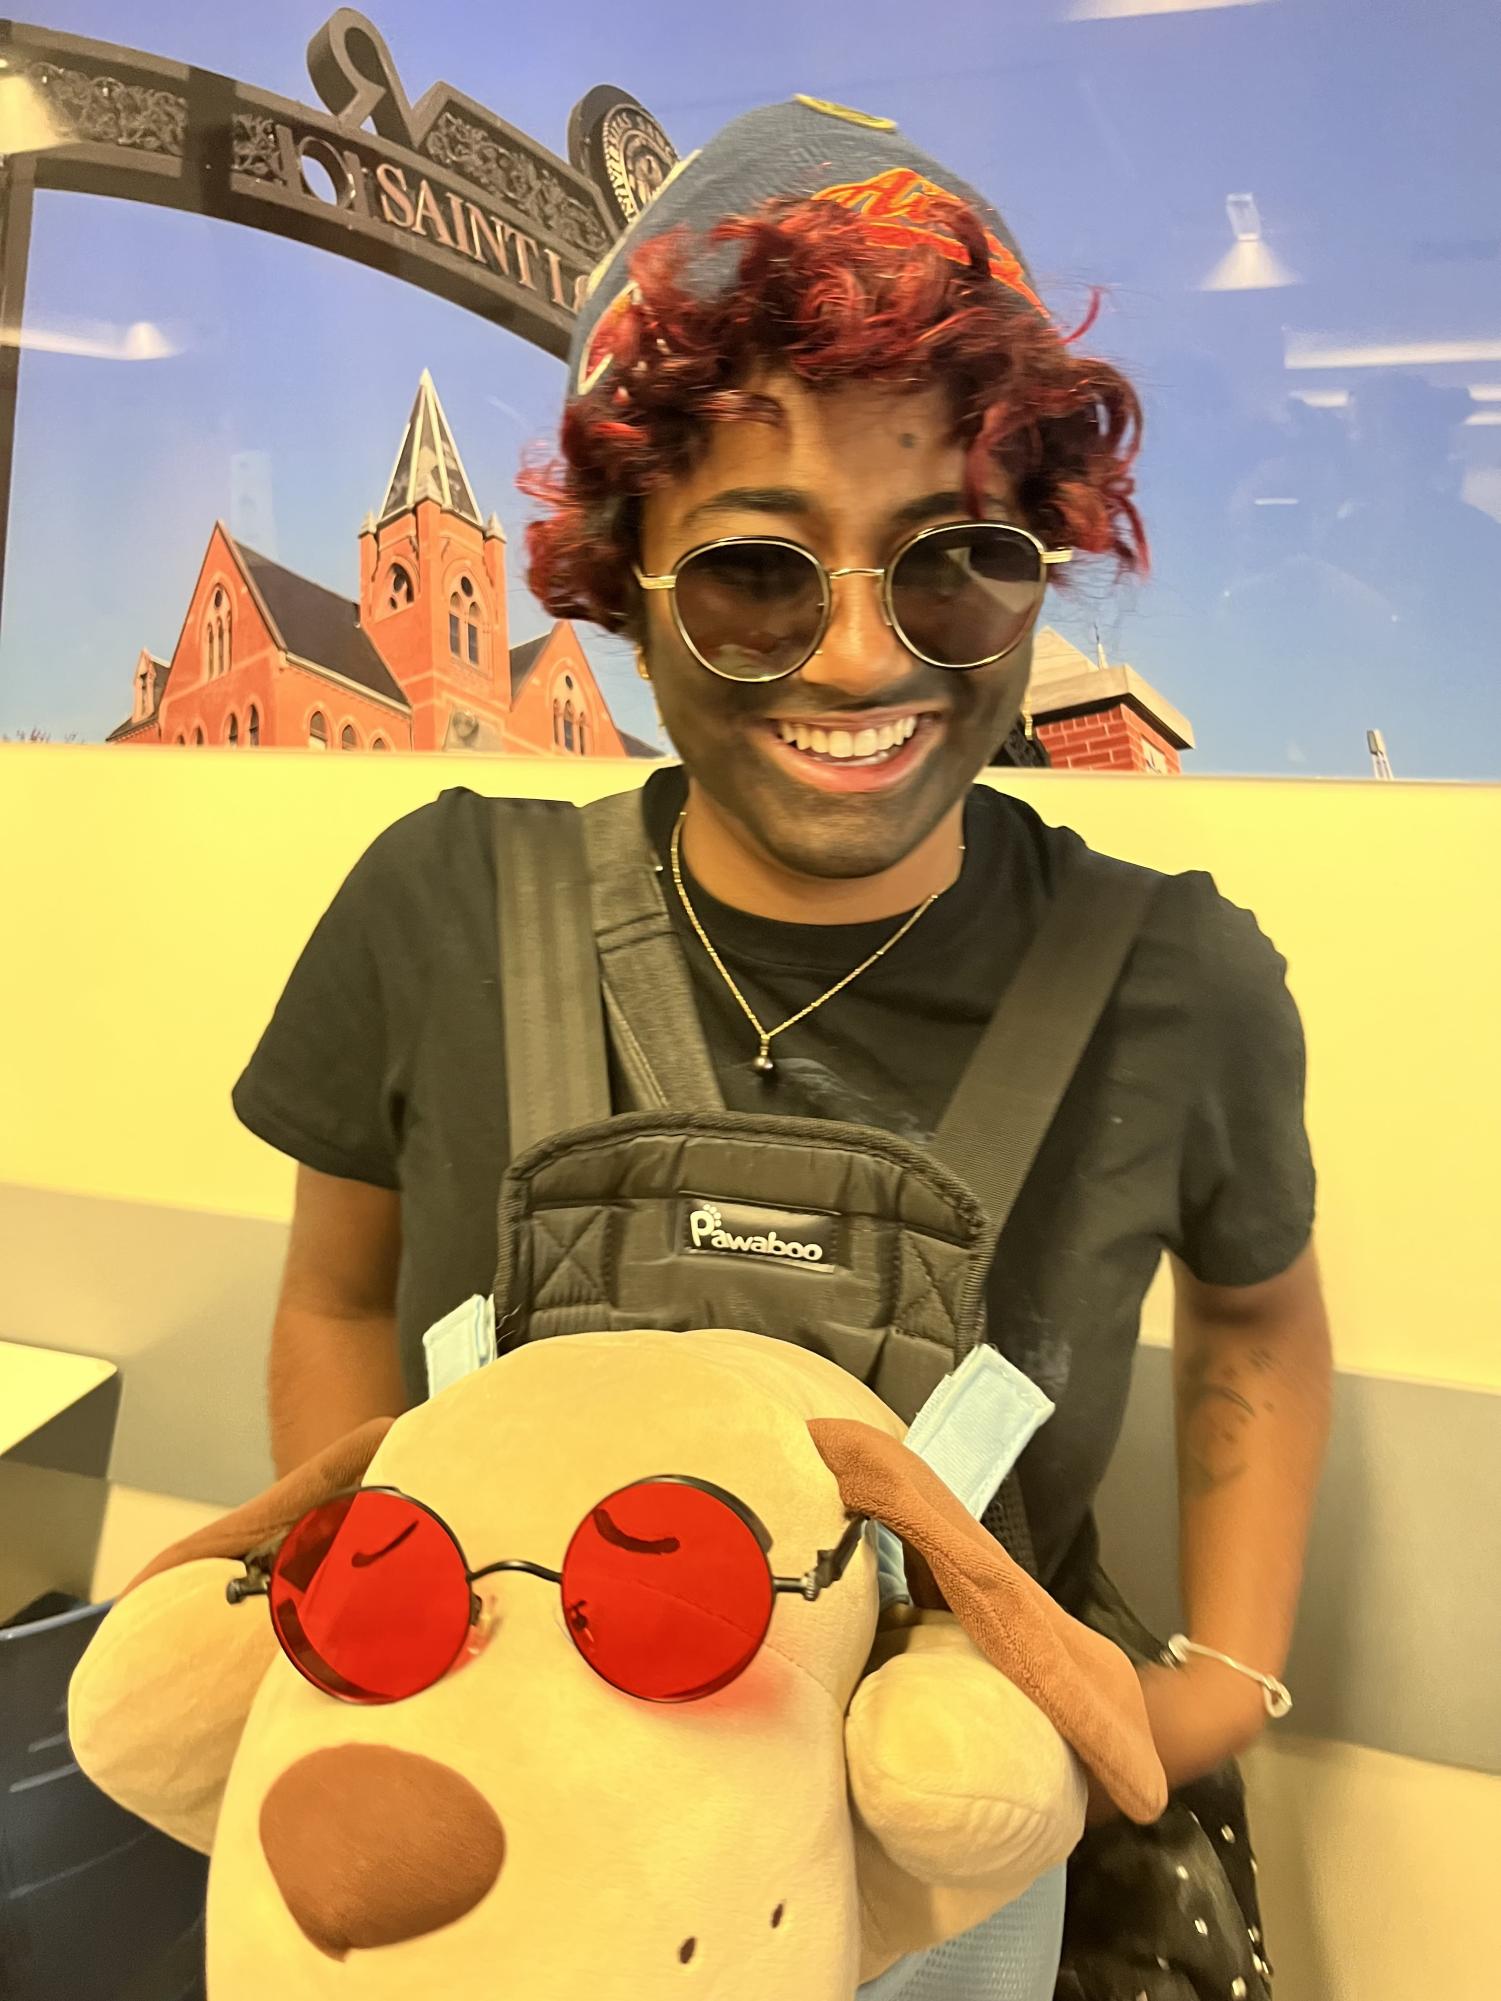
<point>1200,1715</point>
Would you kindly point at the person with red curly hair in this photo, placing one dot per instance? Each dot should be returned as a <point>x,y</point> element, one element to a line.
<point>823,452</point>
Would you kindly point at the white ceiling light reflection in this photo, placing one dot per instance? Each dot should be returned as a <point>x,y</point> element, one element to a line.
<point>1483,417</point>
<point>95,342</point>
<point>1249,265</point>
<point>1129,10</point>
<point>1314,350</point>
<point>1322,399</point>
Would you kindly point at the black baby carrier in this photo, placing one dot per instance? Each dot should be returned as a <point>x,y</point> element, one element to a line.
<point>634,1198</point>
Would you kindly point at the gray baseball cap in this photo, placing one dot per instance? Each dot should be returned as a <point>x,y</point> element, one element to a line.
<point>805,149</point>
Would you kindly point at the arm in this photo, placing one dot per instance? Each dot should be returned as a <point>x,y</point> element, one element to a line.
<point>334,1356</point>
<point>1252,1372</point>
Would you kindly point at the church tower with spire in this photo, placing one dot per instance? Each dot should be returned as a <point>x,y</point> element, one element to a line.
<point>433,588</point>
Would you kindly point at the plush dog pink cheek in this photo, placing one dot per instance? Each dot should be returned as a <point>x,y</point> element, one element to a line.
<point>369,1846</point>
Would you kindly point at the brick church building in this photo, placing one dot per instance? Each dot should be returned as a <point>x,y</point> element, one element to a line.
<point>423,660</point>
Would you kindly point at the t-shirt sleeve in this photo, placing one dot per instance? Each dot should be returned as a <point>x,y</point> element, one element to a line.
<point>1248,1180</point>
<point>321,1085</point>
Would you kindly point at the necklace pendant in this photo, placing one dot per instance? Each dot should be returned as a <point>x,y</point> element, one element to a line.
<point>764,1064</point>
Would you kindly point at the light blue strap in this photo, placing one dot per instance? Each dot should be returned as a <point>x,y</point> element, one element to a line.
<point>971,1431</point>
<point>460,1343</point>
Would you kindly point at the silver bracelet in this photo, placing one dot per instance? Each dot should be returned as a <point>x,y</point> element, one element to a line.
<point>1273,1692</point>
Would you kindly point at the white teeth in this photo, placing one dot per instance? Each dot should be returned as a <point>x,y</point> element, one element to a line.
<point>847,744</point>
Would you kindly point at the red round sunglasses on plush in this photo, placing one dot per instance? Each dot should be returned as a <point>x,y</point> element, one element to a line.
<point>666,1584</point>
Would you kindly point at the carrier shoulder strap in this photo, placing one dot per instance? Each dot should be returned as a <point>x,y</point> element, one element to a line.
<point>655,1031</point>
<point>585,941</point>
<point>557,1069</point>
<point>1029,1051</point>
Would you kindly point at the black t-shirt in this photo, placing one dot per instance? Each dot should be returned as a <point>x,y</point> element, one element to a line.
<point>1182,1130</point>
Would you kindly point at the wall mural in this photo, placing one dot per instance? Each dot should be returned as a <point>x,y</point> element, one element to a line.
<point>268,369</point>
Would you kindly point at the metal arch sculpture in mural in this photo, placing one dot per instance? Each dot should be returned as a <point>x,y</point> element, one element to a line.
<point>442,194</point>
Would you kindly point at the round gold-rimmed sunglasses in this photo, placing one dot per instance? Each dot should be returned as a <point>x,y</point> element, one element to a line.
<point>958,596</point>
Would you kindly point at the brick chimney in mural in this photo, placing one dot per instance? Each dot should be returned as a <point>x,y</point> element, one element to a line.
<point>1090,716</point>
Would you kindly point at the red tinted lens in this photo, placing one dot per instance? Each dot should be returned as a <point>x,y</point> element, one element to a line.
<point>369,1598</point>
<point>666,1591</point>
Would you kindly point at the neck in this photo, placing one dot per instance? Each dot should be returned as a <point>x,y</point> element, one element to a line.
<point>736,871</point>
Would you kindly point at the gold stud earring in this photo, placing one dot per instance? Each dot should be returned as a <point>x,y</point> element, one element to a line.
<point>641,667</point>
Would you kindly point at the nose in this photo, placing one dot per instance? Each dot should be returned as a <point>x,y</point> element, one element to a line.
<point>369,1846</point>
<point>860,654</point>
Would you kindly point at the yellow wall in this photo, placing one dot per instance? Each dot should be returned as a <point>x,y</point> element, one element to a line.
<point>154,903</point>
<point>1377,1873</point>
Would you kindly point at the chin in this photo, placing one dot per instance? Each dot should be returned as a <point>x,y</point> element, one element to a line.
<point>841,845</point>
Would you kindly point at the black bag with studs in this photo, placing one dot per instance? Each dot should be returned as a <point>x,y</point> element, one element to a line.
<point>1167,1912</point>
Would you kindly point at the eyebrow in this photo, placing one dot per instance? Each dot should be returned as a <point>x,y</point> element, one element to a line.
<point>754,500</point>
<point>798,501</point>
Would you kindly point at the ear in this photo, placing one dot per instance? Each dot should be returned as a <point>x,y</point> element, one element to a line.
<point>1083,1684</point>
<point>157,1705</point>
<point>340,1465</point>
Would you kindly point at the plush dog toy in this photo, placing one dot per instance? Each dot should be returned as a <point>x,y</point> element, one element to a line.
<point>571,1686</point>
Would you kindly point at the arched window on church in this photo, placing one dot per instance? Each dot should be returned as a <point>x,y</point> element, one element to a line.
<point>583,747</point>
<point>232,735</point>
<point>472,633</point>
<point>226,640</point>
<point>198,734</point>
<point>213,638</point>
<point>379,743</point>
<point>253,727</point>
<point>557,723</point>
<point>144,681</point>
<point>317,731</point>
<point>568,726</point>
<point>349,739</point>
<point>399,590</point>
<point>455,627</point>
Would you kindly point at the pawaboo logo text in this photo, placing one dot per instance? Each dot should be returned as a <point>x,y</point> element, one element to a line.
<point>734,1229</point>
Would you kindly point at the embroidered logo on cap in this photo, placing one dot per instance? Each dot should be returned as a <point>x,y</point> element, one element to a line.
<point>599,349</point>
<point>901,203</point>
<point>736,1229</point>
<point>831,110</point>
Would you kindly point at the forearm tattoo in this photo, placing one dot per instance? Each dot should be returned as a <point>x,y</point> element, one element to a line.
<point>1222,1392</point>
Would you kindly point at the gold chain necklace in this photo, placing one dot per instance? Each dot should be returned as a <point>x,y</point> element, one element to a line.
<point>764,1063</point>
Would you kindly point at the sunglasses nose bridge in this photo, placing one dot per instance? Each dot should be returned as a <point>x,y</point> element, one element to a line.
<point>836,577</point>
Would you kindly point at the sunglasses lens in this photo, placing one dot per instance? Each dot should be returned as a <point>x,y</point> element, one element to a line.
<point>966,594</point>
<point>369,1598</point>
<point>666,1591</point>
<point>751,610</point>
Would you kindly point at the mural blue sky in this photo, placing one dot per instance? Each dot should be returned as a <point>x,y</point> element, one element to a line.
<point>1323,470</point>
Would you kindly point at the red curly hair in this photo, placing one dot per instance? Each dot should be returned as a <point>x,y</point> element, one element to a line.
<point>816,296</point>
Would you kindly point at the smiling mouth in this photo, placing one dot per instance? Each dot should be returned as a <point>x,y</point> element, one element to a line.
<point>869,746</point>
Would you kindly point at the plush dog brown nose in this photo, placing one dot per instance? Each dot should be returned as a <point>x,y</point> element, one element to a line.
<point>370,1846</point>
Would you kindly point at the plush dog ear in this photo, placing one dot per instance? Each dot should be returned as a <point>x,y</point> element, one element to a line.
<point>158,1703</point>
<point>1081,1682</point>
<point>340,1465</point>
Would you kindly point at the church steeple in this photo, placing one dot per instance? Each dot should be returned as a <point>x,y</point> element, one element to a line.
<point>428,466</point>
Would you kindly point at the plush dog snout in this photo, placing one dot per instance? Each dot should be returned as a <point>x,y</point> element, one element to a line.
<point>370,1846</point>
